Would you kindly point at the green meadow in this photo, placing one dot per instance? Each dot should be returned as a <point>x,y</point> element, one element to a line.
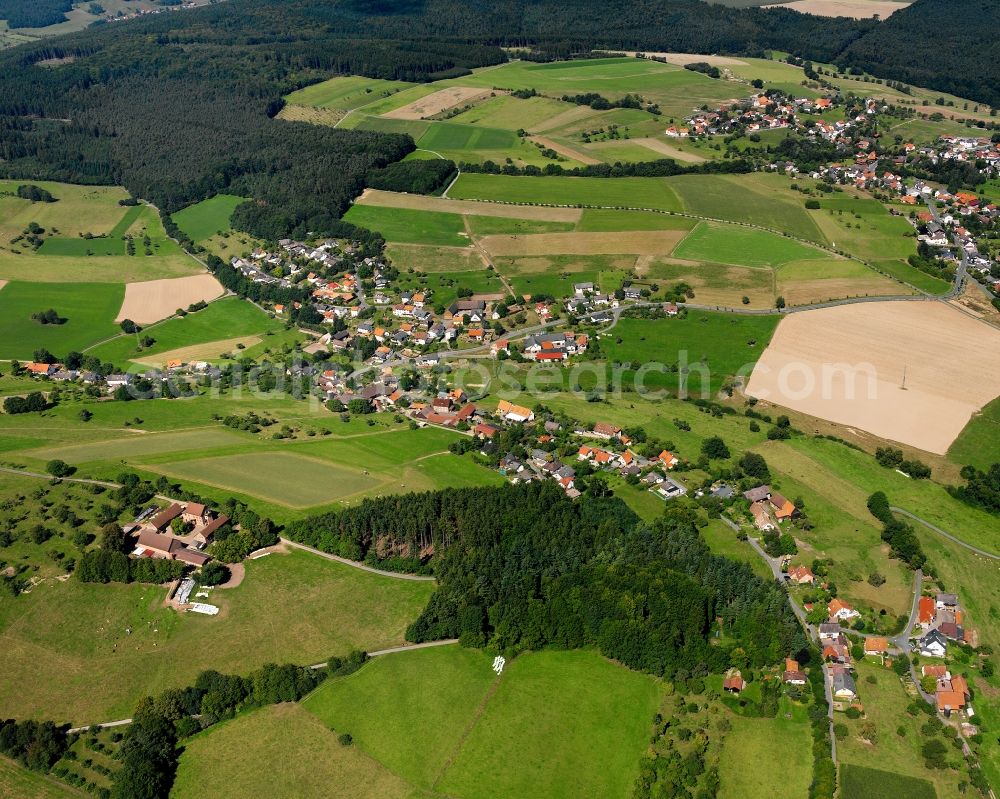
<point>203,220</point>
<point>89,309</point>
<point>714,346</point>
<point>555,724</point>
<point>731,244</point>
<point>979,443</point>
<point>760,198</point>
<point>218,321</point>
<point>277,749</point>
<point>297,608</point>
<point>409,226</point>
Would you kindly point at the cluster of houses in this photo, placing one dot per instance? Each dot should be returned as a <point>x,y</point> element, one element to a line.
<point>941,618</point>
<point>768,508</point>
<point>610,452</point>
<point>159,534</point>
<point>773,111</point>
<point>61,374</point>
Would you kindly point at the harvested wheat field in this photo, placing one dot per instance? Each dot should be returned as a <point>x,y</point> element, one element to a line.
<point>209,351</point>
<point>2,284</point>
<point>153,300</point>
<point>847,364</point>
<point>420,202</point>
<point>805,292</point>
<point>856,9</point>
<point>680,59</point>
<point>646,242</point>
<point>440,101</point>
<point>660,146</point>
<point>564,150</point>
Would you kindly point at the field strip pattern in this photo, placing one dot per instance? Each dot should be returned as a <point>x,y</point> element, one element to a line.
<point>420,202</point>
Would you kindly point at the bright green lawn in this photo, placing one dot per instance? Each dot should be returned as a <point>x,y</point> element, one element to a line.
<point>730,244</point>
<point>203,220</point>
<point>297,608</point>
<point>409,226</point>
<point>860,782</point>
<point>89,308</point>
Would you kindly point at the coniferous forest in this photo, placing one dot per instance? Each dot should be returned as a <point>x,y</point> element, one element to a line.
<point>81,107</point>
<point>521,567</point>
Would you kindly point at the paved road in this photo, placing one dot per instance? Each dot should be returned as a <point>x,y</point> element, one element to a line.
<point>357,564</point>
<point>945,534</point>
<point>104,726</point>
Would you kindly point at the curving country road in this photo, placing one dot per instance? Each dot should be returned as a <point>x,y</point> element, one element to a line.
<point>944,533</point>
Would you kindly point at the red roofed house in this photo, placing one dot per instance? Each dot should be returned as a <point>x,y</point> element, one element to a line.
<point>162,520</point>
<point>839,609</point>
<point>927,611</point>
<point>801,575</point>
<point>733,684</point>
<point>668,459</point>
<point>40,369</point>
<point>170,548</point>
<point>484,430</point>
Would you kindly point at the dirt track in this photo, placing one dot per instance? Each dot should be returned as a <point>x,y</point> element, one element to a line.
<point>564,150</point>
<point>846,364</point>
<point>418,202</point>
<point>667,149</point>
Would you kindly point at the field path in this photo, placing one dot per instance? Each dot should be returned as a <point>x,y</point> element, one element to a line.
<point>357,564</point>
<point>945,534</point>
<point>467,731</point>
<point>564,149</point>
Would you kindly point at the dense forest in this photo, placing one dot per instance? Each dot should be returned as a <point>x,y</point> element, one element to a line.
<point>34,13</point>
<point>521,567</point>
<point>943,44</point>
<point>79,107</point>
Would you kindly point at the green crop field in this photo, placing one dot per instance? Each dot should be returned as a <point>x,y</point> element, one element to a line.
<point>409,226</point>
<point>89,310</point>
<point>511,113</point>
<point>450,136</point>
<point>297,608</point>
<point>555,724</point>
<point>921,280</point>
<point>714,346</point>
<point>598,220</point>
<point>755,751</point>
<point>653,193</point>
<point>759,199</point>
<point>345,93</point>
<point>219,321</point>
<point>494,225</point>
<point>203,220</point>
<point>281,750</point>
<point>731,244</point>
<point>865,228</point>
<point>859,782</point>
<point>281,477</point>
<point>153,443</point>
